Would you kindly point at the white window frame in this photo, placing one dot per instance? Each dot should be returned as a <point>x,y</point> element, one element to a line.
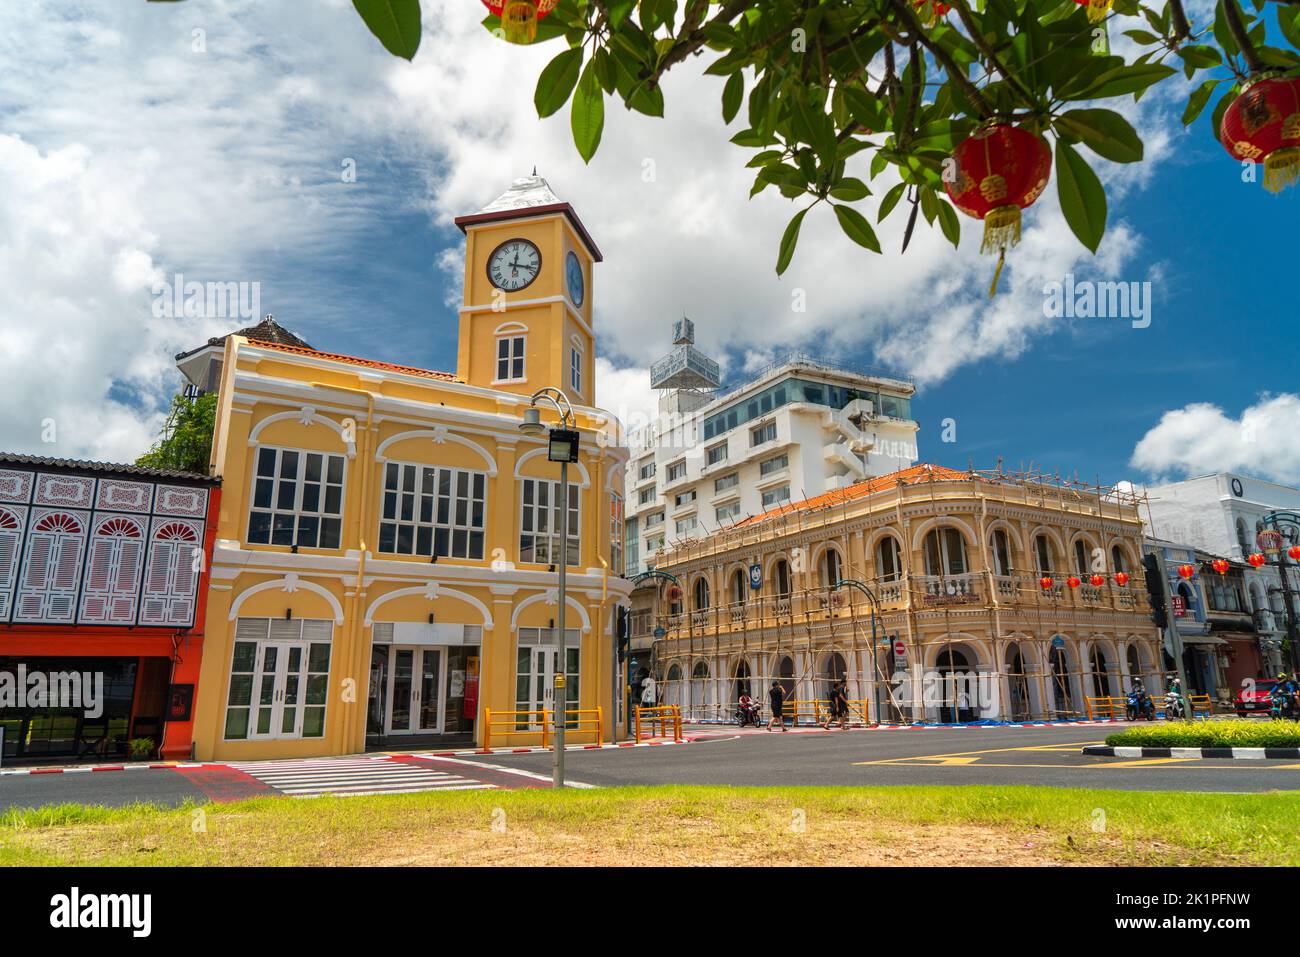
<point>677,470</point>
<point>284,635</point>
<point>729,510</point>
<point>709,454</point>
<point>550,537</point>
<point>297,512</point>
<point>759,434</point>
<point>516,353</point>
<point>454,500</point>
<point>732,479</point>
<point>575,369</point>
<point>776,495</point>
<point>764,470</point>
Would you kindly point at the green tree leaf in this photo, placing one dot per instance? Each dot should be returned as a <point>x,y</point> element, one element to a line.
<point>890,201</point>
<point>396,24</point>
<point>789,239</point>
<point>1105,132</point>
<point>557,81</point>
<point>857,228</point>
<point>587,115</point>
<point>733,94</point>
<point>1199,98</point>
<point>1083,201</point>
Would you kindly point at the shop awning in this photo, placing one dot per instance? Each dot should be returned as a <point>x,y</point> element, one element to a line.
<point>1203,640</point>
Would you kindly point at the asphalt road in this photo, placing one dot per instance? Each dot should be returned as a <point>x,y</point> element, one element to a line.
<point>1041,756</point>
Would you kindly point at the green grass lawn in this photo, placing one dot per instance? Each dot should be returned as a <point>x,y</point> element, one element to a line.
<point>943,826</point>
<point>1210,734</point>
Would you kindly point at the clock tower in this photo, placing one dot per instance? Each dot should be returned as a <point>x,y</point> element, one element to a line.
<point>526,319</point>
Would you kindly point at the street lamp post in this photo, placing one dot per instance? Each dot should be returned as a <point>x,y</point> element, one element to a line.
<point>562,447</point>
<point>1292,521</point>
<point>875,613</point>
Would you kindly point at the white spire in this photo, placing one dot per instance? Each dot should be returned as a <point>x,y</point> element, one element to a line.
<point>525,192</point>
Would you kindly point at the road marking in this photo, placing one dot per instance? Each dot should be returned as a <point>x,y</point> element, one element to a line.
<point>1145,762</point>
<point>313,778</point>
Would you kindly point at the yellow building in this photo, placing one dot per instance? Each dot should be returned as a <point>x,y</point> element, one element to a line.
<point>384,569</point>
<point>996,596</point>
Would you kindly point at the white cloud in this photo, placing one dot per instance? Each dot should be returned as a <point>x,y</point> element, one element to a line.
<point>141,157</point>
<point>626,392</point>
<point>1201,438</point>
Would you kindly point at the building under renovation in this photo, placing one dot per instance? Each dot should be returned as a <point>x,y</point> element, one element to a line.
<point>962,595</point>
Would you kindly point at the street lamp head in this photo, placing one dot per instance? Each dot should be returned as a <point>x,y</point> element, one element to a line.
<point>532,424</point>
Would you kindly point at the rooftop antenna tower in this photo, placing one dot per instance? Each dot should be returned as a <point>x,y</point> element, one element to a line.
<point>686,378</point>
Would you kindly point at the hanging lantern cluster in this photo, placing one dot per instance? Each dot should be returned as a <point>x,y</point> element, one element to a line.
<point>1000,170</point>
<point>1097,9</point>
<point>519,17</point>
<point>1074,581</point>
<point>1263,125</point>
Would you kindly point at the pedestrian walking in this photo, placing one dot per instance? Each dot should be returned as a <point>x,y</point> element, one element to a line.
<point>776,699</point>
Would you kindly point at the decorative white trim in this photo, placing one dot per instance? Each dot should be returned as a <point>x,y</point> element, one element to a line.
<point>519,464</point>
<point>551,597</point>
<point>431,591</point>
<point>289,583</point>
<point>439,435</point>
<point>307,415</point>
<point>509,328</point>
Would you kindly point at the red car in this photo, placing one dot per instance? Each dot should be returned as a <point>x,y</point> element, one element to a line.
<point>1254,699</point>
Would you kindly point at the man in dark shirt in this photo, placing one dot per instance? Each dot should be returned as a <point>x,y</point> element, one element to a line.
<point>776,699</point>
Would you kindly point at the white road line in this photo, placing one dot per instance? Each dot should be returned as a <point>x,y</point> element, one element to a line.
<point>312,778</point>
<point>519,771</point>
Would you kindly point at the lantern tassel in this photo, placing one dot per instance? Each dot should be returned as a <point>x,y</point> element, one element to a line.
<point>1097,10</point>
<point>519,21</point>
<point>1001,229</point>
<point>1282,169</point>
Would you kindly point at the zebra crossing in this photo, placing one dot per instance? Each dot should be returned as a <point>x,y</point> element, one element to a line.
<point>308,777</point>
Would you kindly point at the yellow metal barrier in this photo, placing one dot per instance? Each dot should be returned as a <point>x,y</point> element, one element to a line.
<point>662,718</point>
<point>507,722</point>
<point>1110,708</point>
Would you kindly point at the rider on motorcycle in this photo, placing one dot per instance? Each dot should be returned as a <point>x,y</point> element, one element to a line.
<point>748,713</point>
<point>1283,696</point>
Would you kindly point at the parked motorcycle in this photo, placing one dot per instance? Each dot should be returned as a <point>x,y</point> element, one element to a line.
<point>1173,706</point>
<point>1139,705</point>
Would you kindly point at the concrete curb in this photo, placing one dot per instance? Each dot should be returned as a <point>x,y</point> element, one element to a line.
<point>1248,754</point>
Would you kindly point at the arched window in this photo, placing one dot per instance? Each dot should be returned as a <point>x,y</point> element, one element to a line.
<point>171,575</point>
<point>113,571</point>
<point>1061,682</point>
<point>742,679</point>
<point>830,568</point>
<point>1043,554</point>
<point>1118,563</point>
<point>1243,537</point>
<point>1000,546</point>
<point>889,560</point>
<point>701,594</point>
<point>1081,558</point>
<point>739,581</point>
<point>1134,669</point>
<point>51,568</point>
<point>782,578</point>
<point>1100,679</point>
<point>11,538</point>
<point>945,552</point>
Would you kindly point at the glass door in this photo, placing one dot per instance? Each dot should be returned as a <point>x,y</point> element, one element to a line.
<point>415,691</point>
<point>280,680</point>
<point>535,687</point>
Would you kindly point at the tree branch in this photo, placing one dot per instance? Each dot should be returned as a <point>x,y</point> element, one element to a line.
<point>955,73</point>
<point>688,43</point>
<point>1182,29</point>
<point>977,37</point>
<point>1237,27</point>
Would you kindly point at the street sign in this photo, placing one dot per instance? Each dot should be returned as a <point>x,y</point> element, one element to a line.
<point>1179,605</point>
<point>659,631</point>
<point>756,577</point>
<point>900,649</point>
<point>1058,642</point>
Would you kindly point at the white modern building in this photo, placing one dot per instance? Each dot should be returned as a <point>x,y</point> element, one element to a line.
<point>1218,513</point>
<point>798,428</point>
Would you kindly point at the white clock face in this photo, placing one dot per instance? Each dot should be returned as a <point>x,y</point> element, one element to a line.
<point>514,264</point>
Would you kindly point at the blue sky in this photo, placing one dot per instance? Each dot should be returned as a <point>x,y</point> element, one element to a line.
<point>144,140</point>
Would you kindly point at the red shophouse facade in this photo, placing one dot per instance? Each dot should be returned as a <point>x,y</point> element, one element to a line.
<point>103,570</point>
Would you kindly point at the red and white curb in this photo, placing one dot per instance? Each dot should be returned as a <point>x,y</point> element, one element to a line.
<point>537,748</point>
<point>4,772</point>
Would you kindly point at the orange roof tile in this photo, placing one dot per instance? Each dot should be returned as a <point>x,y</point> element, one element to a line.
<point>908,476</point>
<point>353,360</point>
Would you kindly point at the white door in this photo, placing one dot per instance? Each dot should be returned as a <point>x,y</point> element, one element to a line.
<point>536,682</point>
<point>415,691</point>
<point>279,682</point>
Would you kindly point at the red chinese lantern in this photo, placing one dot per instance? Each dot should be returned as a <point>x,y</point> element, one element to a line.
<point>1097,9</point>
<point>1187,571</point>
<point>937,12</point>
<point>1220,565</point>
<point>1257,559</point>
<point>1001,169</point>
<point>1121,579</point>
<point>1263,125</point>
<point>1097,580</point>
<point>1073,581</point>
<point>1293,553</point>
<point>519,17</point>
<point>1045,582</point>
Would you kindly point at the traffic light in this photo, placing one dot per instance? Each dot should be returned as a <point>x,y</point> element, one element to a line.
<point>1155,591</point>
<point>620,631</point>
